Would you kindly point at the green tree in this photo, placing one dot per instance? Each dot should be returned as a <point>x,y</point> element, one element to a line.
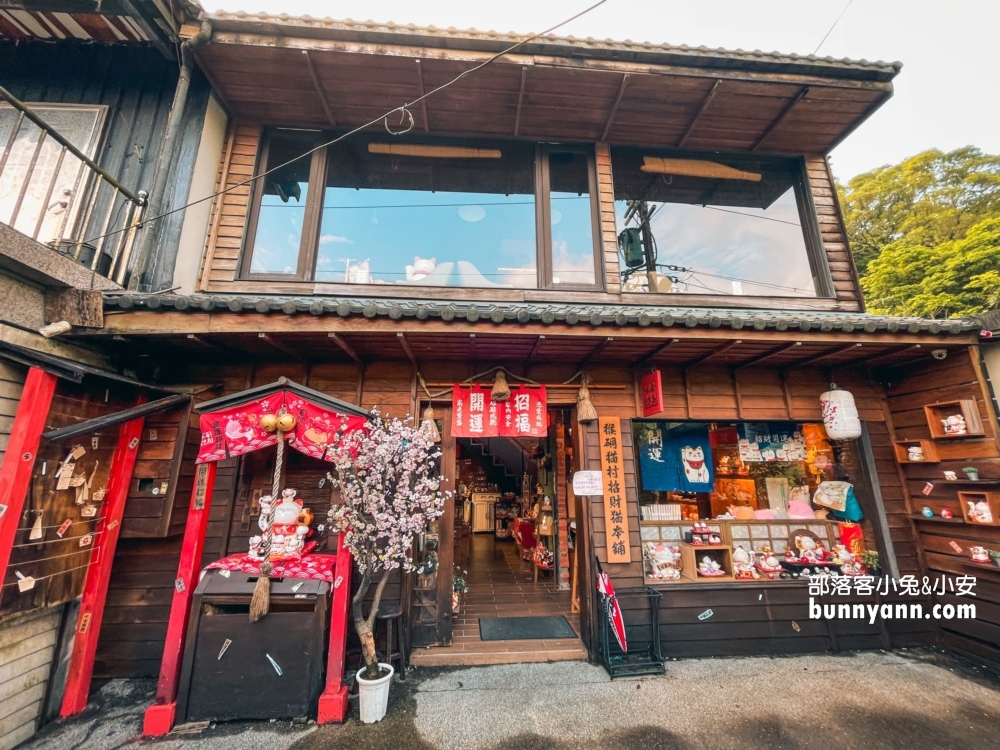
<point>924,201</point>
<point>954,278</point>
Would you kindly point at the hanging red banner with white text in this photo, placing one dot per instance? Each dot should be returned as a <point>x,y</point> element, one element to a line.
<point>474,414</point>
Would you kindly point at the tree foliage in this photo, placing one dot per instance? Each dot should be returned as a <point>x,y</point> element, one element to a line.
<point>908,224</point>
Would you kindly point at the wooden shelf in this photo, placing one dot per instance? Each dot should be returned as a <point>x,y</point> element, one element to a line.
<point>929,448</point>
<point>721,553</point>
<point>937,519</point>
<point>967,408</point>
<point>992,501</point>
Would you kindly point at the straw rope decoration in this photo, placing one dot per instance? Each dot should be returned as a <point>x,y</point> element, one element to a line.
<point>260,604</point>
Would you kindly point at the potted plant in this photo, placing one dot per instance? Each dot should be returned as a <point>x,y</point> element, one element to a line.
<point>458,589</point>
<point>389,494</point>
<point>995,557</point>
<point>972,473</point>
<point>870,560</point>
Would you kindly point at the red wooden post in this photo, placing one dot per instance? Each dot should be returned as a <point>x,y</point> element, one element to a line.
<point>22,449</point>
<point>95,588</point>
<point>333,702</point>
<point>159,717</point>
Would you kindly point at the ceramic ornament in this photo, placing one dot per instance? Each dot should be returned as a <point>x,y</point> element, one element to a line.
<point>947,513</point>
<point>926,512</point>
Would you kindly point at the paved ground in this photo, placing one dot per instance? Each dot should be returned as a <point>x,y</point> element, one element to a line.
<point>909,700</point>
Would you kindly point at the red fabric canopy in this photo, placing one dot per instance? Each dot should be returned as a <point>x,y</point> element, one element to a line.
<point>236,430</point>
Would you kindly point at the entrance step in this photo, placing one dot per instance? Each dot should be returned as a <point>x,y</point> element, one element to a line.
<point>479,653</point>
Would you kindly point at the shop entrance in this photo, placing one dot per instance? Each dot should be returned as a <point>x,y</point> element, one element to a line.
<point>514,551</point>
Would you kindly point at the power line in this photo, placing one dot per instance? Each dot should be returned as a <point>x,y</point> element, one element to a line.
<point>825,36</point>
<point>403,111</point>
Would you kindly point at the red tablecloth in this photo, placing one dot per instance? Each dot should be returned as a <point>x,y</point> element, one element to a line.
<point>314,567</point>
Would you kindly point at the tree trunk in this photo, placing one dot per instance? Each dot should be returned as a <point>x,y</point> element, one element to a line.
<point>368,652</point>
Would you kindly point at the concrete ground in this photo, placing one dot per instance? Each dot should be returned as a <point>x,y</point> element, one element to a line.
<point>912,700</point>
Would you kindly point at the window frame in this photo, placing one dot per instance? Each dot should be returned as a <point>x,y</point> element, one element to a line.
<point>313,216</point>
<point>809,220</point>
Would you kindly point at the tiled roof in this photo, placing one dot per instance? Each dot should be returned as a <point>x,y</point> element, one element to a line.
<point>551,44</point>
<point>594,315</point>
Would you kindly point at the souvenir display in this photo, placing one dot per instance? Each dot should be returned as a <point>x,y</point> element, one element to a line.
<point>954,424</point>
<point>979,554</point>
<point>743,565</point>
<point>769,564</point>
<point>664,561</point>
<point>950,476</point>
<point>710,568</point>
<point>927,512</point>
<point>946,513</point>
<point>290,527</point>
<point>916,453</point>
<point>979,512</point>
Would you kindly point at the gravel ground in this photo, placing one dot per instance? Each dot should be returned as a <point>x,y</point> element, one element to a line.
<point>875,700</point>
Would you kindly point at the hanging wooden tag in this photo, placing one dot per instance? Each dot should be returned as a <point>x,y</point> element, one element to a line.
<point>63,528</point>
<point>65,475</point>
<point>36,528</point>
<point>201,486</point>
<point>86,540</point>
<point>24,583</point>
<point>88,511</point>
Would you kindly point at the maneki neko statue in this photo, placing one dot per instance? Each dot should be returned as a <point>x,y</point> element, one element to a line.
<point>769,564</point>
<point>290,527</point>
<point>743,565</point>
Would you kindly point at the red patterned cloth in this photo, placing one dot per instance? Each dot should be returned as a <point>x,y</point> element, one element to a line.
<point>312,567</point>
<point>235,431</point>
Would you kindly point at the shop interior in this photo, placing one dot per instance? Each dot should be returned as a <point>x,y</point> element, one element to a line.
<point>750,502</point>
<point>513,532</point>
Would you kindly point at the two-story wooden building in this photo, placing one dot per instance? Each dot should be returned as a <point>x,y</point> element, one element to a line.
<point>575,211</point>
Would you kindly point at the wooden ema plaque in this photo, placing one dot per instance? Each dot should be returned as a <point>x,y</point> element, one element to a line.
<point>613,475</point>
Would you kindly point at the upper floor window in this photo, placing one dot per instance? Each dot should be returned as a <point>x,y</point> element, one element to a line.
<point>414,212</point>
<point>715,224</point>
<point>40,181</point>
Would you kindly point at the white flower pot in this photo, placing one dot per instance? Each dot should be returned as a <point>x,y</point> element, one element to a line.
<point>373,695</point>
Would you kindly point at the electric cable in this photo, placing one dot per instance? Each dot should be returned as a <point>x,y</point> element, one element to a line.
<point>402,109</point>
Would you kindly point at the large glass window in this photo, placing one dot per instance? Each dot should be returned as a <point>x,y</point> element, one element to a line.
<point>281,213</point>
<point>712,224</point>
<point>425,213</point>
<point>429,215</point>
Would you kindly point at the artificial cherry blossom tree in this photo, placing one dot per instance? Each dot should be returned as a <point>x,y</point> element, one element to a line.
<point>387,473</point>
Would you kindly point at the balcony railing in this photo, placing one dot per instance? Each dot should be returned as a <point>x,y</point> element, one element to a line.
<point>53,192</point>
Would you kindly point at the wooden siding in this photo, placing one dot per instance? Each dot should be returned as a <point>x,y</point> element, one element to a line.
<point>938,540</point>
<point>229,216</point>
<point>606,207</point>
<point>11,384</point>
<point>832,231</point>
<point>27,648</point>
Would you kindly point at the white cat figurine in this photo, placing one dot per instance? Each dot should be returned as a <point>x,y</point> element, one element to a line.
<point>695,469</point>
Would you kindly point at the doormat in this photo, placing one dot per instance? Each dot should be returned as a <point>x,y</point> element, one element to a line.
<point>524,628</point>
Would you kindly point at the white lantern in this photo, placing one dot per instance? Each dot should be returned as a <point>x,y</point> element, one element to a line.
<point>840,414</point>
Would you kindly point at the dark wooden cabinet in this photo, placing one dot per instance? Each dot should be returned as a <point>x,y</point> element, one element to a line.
<point>244,683</point>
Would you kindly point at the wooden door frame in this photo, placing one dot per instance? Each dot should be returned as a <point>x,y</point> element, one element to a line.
<point>446,530</point>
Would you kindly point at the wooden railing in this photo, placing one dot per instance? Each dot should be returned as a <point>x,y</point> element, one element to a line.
<point>68,203</point>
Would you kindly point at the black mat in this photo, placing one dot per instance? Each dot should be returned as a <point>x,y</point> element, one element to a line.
<point>524,628</point>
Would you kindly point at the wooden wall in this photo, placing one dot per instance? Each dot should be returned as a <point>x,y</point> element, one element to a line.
<point>943,545</point>
<point>11,383</point>
<point>27,647</point>
<point>224,243</point>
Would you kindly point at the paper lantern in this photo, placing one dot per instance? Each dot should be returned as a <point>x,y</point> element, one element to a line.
<point>840,414</point>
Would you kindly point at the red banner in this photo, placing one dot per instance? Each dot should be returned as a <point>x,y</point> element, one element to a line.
<point>236,431</point>
<point>474,414</point>
<point>651,388</point>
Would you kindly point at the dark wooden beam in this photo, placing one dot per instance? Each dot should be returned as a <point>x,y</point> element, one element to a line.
<point>406,348</point>
<point>218,345</point>
<point>319,89</point>
<point>348,349</point>
<point>781,116</point>
<point>828,354</point>
<point>601,345</point>
<point>701,109</point>
<point>868,359</point>
<point>768,355</point>
<point>614,108</point>
<point>423,102</point>
<point>282,347</point>
<point>714,353</point>
<point>653,354</point>
<point>536,347</point>
<point>520,99</point>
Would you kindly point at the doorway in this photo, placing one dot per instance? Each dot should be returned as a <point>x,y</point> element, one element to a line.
<point>514,541</point>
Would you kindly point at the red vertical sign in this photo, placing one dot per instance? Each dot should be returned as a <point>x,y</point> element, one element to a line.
<point>651,389</point>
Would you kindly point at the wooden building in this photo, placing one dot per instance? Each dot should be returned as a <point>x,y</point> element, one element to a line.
<point>483,230</point>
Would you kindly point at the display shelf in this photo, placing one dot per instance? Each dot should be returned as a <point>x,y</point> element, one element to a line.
<point>985,505</point>
<point>692,554</point>
<point>965,408</point>
<point>902,448</point>
<point>936,519</point>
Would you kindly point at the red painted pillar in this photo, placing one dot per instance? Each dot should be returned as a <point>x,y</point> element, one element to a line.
<point>22,449</point>
<point>95,588</point>
<point>159,717</point>
<point>333,702</point>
